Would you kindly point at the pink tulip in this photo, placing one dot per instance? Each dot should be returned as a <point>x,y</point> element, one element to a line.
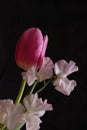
<point>31,48</point>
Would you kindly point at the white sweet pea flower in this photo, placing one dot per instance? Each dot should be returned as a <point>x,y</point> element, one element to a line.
<point>35,109</point>
<point>32,121</point>
<point>30,76</point>
<point>15,116</point>
<point>35,105</point>
<point>4,104</point>
<point>45,72</point>
<point>62,69</point>
<point>11,114</point>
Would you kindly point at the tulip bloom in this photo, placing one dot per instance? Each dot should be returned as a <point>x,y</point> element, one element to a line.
<point>31,48</point>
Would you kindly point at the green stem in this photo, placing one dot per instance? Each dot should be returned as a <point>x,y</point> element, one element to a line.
<point>45,84</point>
<point>33,87</point>
<point>20,126</point>
<point>20,93</point>
<point>6,128</point>
<point>2,128</point>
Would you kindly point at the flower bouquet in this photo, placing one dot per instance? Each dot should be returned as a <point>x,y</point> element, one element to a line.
<point>30,56</point>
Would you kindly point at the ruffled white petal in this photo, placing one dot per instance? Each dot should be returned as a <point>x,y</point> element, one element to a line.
<point>4,104</point>
<point>11,115</point>
<point>64,68</point>
<point>35,109</point>
<point>35,105</point>
<point>32,121</point>
<point>30,76</point>
<point>46,70</point>
<point>64,85</point>
<point>14,116</point>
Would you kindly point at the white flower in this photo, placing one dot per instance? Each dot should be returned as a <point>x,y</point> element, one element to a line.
<point>30,76</point>
<point>32,121</point>
<point>62,69</point>
<point>45,72</point>
<point>11,114</point>
<point>4,104</point>
<point>15,116</point>
<point>35,109</point>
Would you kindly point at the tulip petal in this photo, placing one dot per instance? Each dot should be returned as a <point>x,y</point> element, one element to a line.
<point>45,41</point>
<point>30,49</point>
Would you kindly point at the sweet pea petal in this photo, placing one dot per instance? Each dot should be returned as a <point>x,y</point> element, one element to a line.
<point>64,85</point>
<point>35,109</point>
<point>35,105</point>
<point>14,116</point>
<point>63,68</point>
<point>30,76</point>
<point>32,121</point>
<point>4,104</point>
<point>46,70</point>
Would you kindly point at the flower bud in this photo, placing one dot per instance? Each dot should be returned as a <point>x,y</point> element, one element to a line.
<point>31,48</point>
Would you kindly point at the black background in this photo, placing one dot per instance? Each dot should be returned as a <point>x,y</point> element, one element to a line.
<point>66,25</point>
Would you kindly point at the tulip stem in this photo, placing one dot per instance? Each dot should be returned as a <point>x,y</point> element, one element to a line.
<point>20,93</point>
